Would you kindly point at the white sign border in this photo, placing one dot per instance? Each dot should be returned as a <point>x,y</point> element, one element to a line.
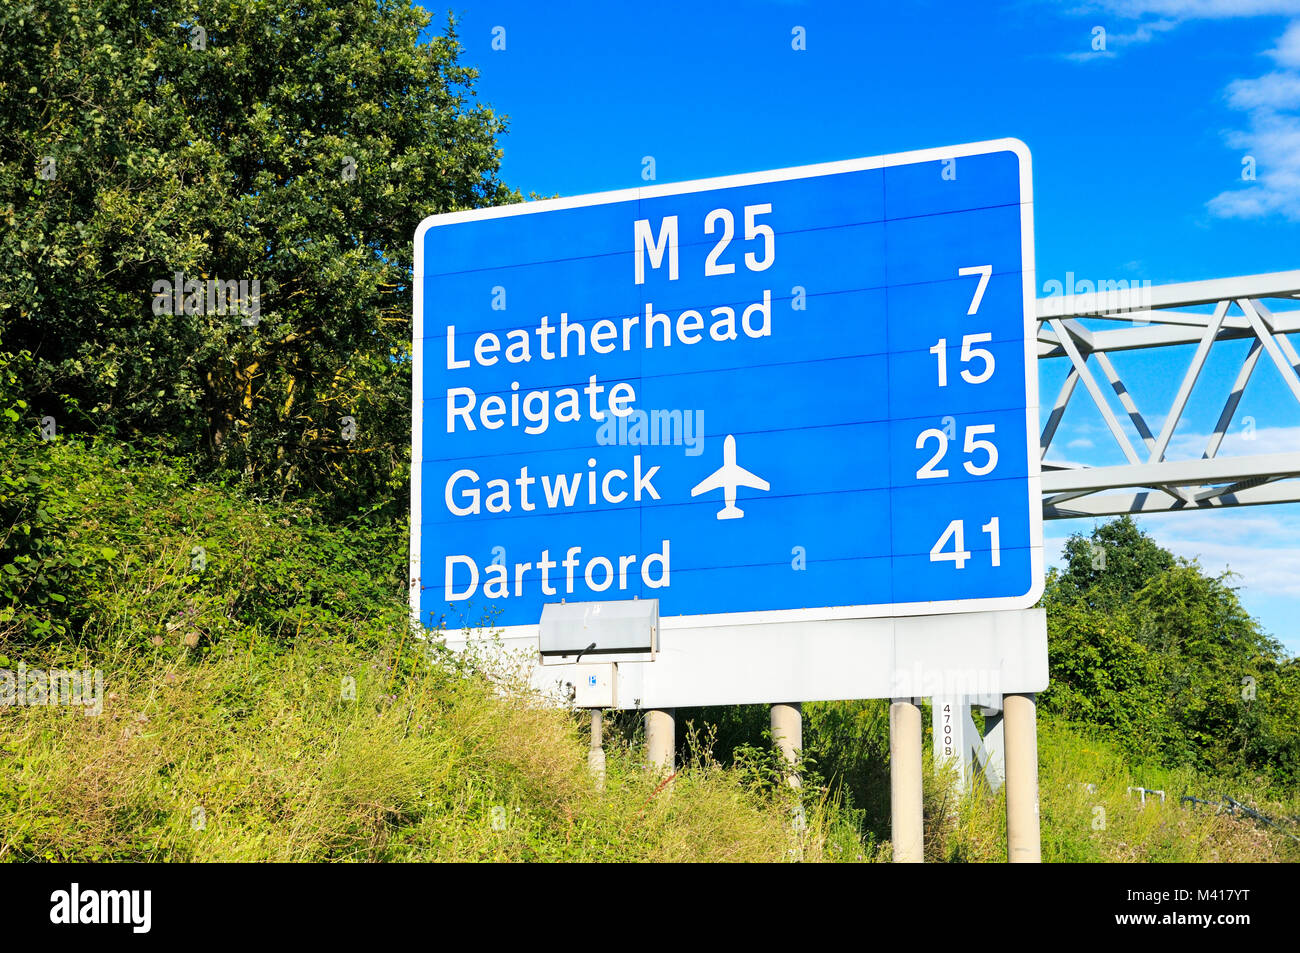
<point>764,616</point>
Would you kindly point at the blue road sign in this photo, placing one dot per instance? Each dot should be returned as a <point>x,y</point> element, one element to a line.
<point>794,395</point>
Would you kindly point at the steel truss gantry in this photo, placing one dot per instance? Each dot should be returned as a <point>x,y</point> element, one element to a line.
<point>1148,317</point>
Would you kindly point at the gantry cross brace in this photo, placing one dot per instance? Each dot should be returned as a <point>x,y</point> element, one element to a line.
<point>1147,317</point>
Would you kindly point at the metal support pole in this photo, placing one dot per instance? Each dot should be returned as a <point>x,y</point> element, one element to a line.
<point>660,740</point>
<point>906,809</point>
<point>596,755</point>
<point>787,735</point>
<point>1020,733</point>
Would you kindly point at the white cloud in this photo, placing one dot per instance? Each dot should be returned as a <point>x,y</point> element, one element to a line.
<point>1239,441</point>
<point>1274,142</point>
<point>1270,102</point>
<point>1143,33</point>
<point>1262,544</point>
<point>1273,92</point>
<point>1091,55</point>
<point>1201,9</point>
<point>1272,106</point>
<point>1287,51</point>
<point>1170,14</point>
<point>1258,543</point>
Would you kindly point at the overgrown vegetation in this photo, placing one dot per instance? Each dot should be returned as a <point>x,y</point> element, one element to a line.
<point>325,754</point>
<point>266,702</point>
<point>1164,658</point>
<point>1090,807</point>
<point>297,146</point>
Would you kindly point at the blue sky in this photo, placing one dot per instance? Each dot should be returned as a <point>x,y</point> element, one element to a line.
<point>1137,152</point>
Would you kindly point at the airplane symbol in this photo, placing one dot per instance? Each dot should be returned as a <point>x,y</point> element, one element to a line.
<point>727,478</point>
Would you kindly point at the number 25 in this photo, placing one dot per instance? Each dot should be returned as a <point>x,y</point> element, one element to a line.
<point>752,230</point>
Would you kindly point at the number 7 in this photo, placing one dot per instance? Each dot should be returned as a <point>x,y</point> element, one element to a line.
<point>984,271</point>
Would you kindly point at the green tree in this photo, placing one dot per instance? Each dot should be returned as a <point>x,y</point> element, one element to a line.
<point>1167,659</point>
<point>295,145</point>
<point>1102,675</point>
<point>1108,567</point>
<point>1209,645</point>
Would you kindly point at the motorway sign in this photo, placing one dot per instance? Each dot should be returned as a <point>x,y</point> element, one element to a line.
<point>797,395</point>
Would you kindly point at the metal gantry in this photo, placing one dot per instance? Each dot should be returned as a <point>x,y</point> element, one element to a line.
<point>1148,317</point>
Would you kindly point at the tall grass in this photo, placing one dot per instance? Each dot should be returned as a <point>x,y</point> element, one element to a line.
<point>320,754</point>
<point>269,705</point>
<point>1088,813</point>
<point>324,753</point>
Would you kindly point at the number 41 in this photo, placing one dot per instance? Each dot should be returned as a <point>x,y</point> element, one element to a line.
<point>959,554</point>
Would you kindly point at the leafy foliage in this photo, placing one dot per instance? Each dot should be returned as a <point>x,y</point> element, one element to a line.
<point>81,524</point>
<point>1166,659</point>
<point>297,146</point>
<point>273,705</point>
<point>1108,567</point>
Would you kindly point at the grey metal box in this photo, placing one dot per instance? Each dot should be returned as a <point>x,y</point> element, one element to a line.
<point>599,628</point>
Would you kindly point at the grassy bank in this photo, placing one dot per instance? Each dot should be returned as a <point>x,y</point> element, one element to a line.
<point>263,701</point>
<point>1089,815</point>
<point>320,754</point>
